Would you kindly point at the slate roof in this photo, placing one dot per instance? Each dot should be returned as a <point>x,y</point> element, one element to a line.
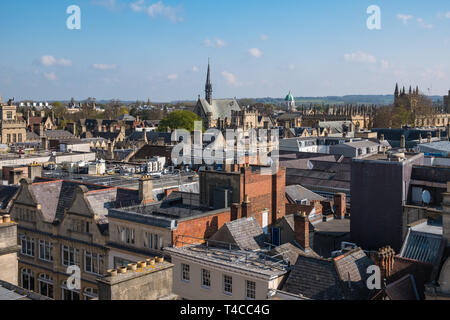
<point>6,195</point>
<point>290,252</point>
<point>289,116</point>
<point>403,289</point>
<point>58,134</point>
<point>328,279</point>
<point>352,269</point>
<point>31,136</point>
<point>246,233</point>
<point>220,108</point>
<point>55,196</point>
<point>296,193</point>
<point>422,246</point>
<point>314,278</point>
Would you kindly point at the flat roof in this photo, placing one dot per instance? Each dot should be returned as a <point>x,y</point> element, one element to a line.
<point>248,261</point>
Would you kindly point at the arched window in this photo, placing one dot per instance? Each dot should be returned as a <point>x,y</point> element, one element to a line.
<point>27,279</point>
<point>45,285</point>
<point>90,293</point>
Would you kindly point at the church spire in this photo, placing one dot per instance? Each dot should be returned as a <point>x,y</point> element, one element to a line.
<point>208,86</point>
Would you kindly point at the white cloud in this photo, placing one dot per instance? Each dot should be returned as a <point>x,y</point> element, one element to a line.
<point>385,64</point>
<point>100,66</point>
<point>264,37</point>
<point>50,76</point>
<point>361,57</point>
<point>447,15</point>
<point>172,76</point>
<point>108,4</point>
<point>138,6</point>
<point>255,52</point>
<point>424,25</point>
<point>50,61</point>
<point>195,69</point>
<point>291,67</point>
<point>229,77</point>
<point>216,43</point>
<point>159,9</point>
<point>404,17</point>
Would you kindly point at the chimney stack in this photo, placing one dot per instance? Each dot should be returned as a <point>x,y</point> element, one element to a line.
<point>34,171</point>
<point>340,205</point>
<point>403,142</point>
<point>429,137</point>
<point>145,190</point>
<point>385,260</point>
<point>301,229</point>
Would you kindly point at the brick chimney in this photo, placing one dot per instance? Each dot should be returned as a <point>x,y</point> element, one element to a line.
<point>384,259</point>
<point>236,211</point>
<point>340,205</point>
<point>246,208</point>
<point>145,190</point>
<point>34,171</point>
<point>301,229</point>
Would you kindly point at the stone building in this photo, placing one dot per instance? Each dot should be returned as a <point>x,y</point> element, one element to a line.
<point>8,250</point>
<point>12,127</point>
<point>64,223</point>
<point>215,113</point>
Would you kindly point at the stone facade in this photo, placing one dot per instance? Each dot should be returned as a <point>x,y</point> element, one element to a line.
<point>8,251</point>
<point>12,128</point>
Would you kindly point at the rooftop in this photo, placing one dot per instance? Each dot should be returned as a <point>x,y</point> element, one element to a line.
<point>248,261</point>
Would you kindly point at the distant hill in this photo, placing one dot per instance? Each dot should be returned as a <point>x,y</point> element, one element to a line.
<point>335,100</point>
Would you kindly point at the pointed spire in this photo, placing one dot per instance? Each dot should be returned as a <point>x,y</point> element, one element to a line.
<point>396,90</point>
<point>208,86</point>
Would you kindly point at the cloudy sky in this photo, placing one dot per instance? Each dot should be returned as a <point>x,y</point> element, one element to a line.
<point>139,49</point>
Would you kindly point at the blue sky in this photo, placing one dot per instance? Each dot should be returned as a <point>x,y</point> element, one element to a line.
<point>139,49</point>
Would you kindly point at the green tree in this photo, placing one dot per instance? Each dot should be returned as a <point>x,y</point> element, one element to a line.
<point>179,120</point>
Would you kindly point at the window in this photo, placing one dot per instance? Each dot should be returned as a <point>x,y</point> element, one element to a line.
<point>155,243</point>
<point>45,285</point>
<point>20,137</point>
<point>206,278</point>
<point>119,262</point>
<point>77,226</point>
<point>9,115</point>
<point>227,285</point>
<point>90,293</point>
<point>185,275</point>
<point>92,262</point>
<point>27,279</point>
<point>8,138</point>
<point>250,290</point>
<point>130,236</point>
<point>27,245</point>
<point>70,256</point>
<point>69,294</point>
<point>45,250</point>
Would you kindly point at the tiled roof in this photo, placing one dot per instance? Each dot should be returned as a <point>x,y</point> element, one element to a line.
<point>58,134</point>
<point>152,137</point>
<point>290,252</point>
<point>421,246</point>
<point>403,289</point>
<point>352,269</point>
<point>331,279</point>
<point>6,195</point>
<point>298,193</point>
<point>57,196</point>
<point>246,233</point>
<point>314,278</point>
<point>220,108</point>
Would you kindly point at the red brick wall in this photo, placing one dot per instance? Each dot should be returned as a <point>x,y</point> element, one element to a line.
<point>202,228</point>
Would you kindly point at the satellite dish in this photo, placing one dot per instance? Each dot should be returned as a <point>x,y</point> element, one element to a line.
<point>426,197</point>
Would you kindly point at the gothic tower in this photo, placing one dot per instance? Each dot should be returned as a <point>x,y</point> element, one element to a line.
<point>208,86</point>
